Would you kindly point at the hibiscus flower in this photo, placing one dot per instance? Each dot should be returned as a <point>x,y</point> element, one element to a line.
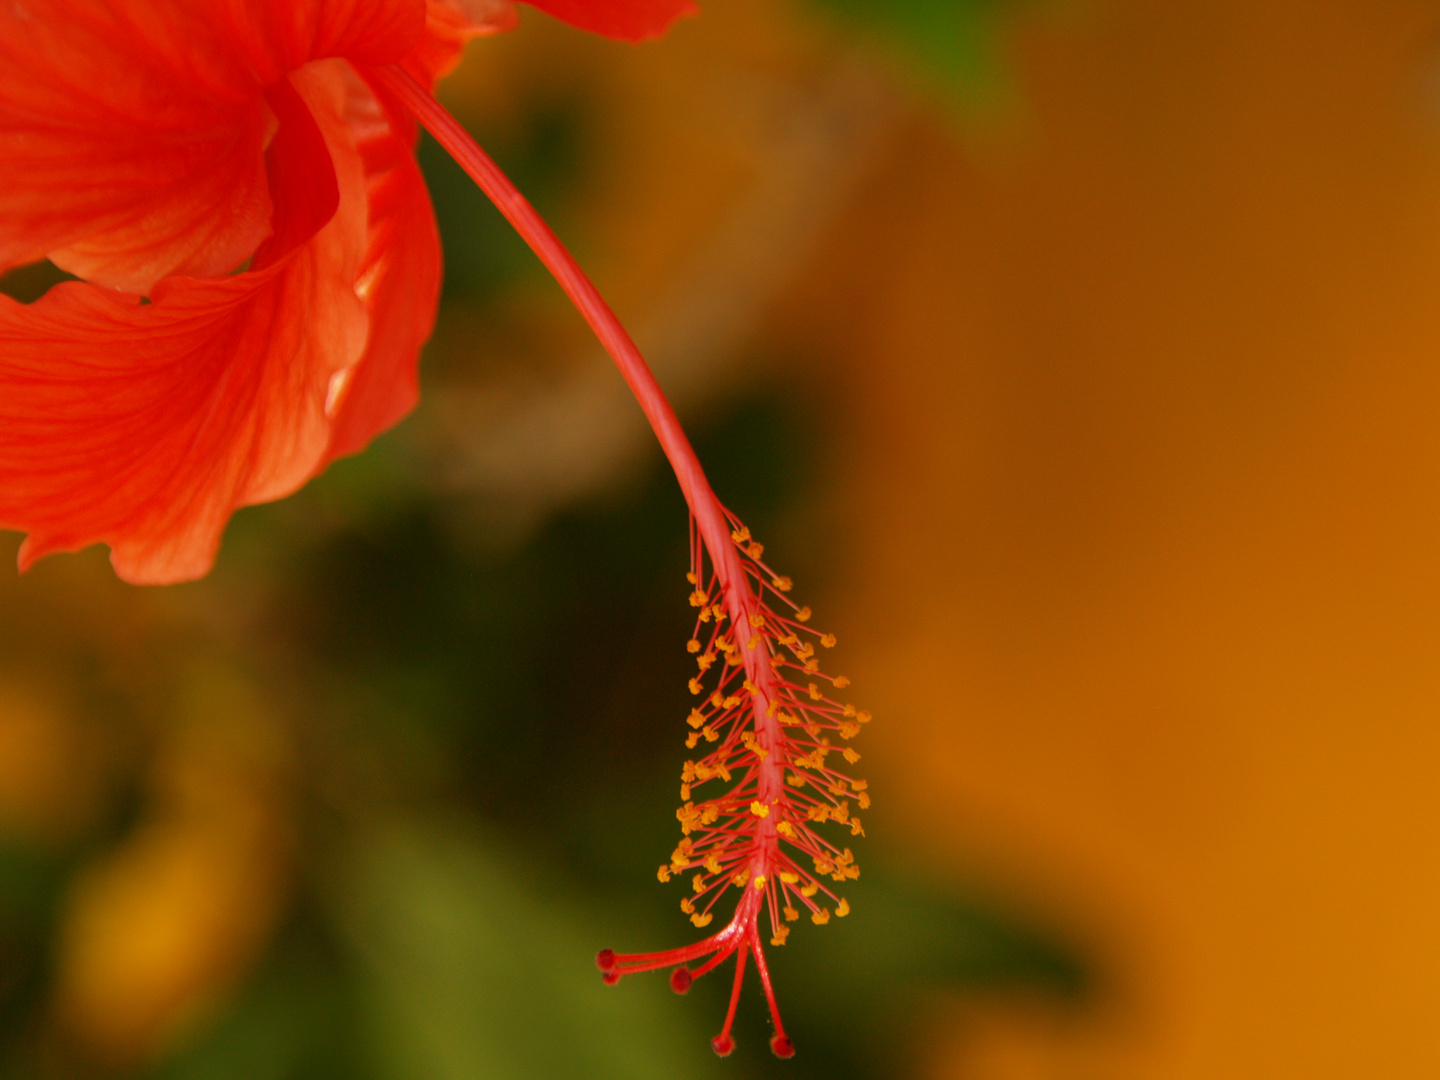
<point>234,183</point>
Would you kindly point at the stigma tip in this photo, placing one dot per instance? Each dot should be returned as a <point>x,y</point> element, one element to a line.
<point>781,1046</point>
<point>723,1045</point>
<point>680,980</point>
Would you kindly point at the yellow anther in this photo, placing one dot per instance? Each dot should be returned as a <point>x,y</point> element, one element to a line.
<point>855,829</point>
<point>823,865</point>
<point>725,645</point>
<point>805,651</point>
<point>717,699</point>
<point>691,740</point>
<point>776,660</point>
<point>755,639</point>
<point>693,645</point>
<point>759,882</point>
<point>710,734</point>
<point>731,701</point>
<point>849,710</point>
<point>863,716</point>
<point>803,615</point>
<point>691,578</point>
<point>757,620</point>
<point>686,906</point>
<point>701,920</point>
<point>788,877</point>
<point>740,877</point>
<point>703,771</point>
<point>814,692</point>
<point>770,709</point>
<point>864,800</point>
<point>724,773</point>
<point>687,773</point>
<point>845,858</point>
<point>759,809</point>
<point>784,584</point>
<point>708,815</point>
<point>841,813</point>
<point>858,785</point>
<point>840,682</point>
<point>699,598</point>
<point>664,872</point>
<point>781,933</point>
<point>850,755</point>
<point>705,661</point>
<point>818,813</point>
<point>842,909</point>
<point>811,889</point>
<point>712,863</point>
<point>696,686</point>
<point>741,534</point>
<point>821,917</point>
<point>795,780</point>
<point>755,550</point>
<point>852,872</point>
<point>784,828</point>
<point>791,915</point>
<point>828,640</point>
<point>696,718</point>
<point>698,883</point>
<point>848,729</point>
<point>720,614</point>
<point>750,686</point>
<point>685,789</point>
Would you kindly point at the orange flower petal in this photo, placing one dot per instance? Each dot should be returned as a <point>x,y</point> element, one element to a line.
<point>132,133</point>
<point>398,279</point>
<point>629,20</point>
<point>145,425</point>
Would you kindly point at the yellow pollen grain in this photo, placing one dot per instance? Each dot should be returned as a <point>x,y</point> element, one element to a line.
<point>781,933</point>
<point>864,800</point>
<point>696,686</point>
<point>710,734</point>
<point>692,646</point>
<point>755,550</point>
<point>740,877</point>
<point>691,740</point>
<point>750,686</point>
<point>741,534</point>
<point>701,920</point>
<point>795,780</point>
<point>840,682</point>
<point>696,718</point>
<point>731,701</point>
<point>757,620</point>
<point>850,755</point>
<point>776,660</point>
<point>811,889</point>
<point>663,873</point>
<point>821,917</point>
<point>785,829</point>
<point>699,598</point>
<point>759,809</point>
<point>789,878</point>
<point>791,915</point>
<point>698,883</point>
<point>705,615</point>
<point>842,909</point>
<point>863,716</point>
<point>717,699</point>
<point>684,791</point>
<point>720,614</point>
<point>855,829</point>
<point>784,584</point>
<point>712,864</point>
<point>803,615</point>
<point>858,785</point>
<point>759,882</point>
<point>725,645</point>
<point>686,906</point>
<point>691,578</point>
<point>814,692</point>
<point>849,710</point>
<point>828,640</point>
<point>770,710</point>
<point>755,639</point>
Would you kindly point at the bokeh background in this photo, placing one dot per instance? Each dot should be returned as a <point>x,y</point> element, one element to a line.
<point>1079,361</point>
